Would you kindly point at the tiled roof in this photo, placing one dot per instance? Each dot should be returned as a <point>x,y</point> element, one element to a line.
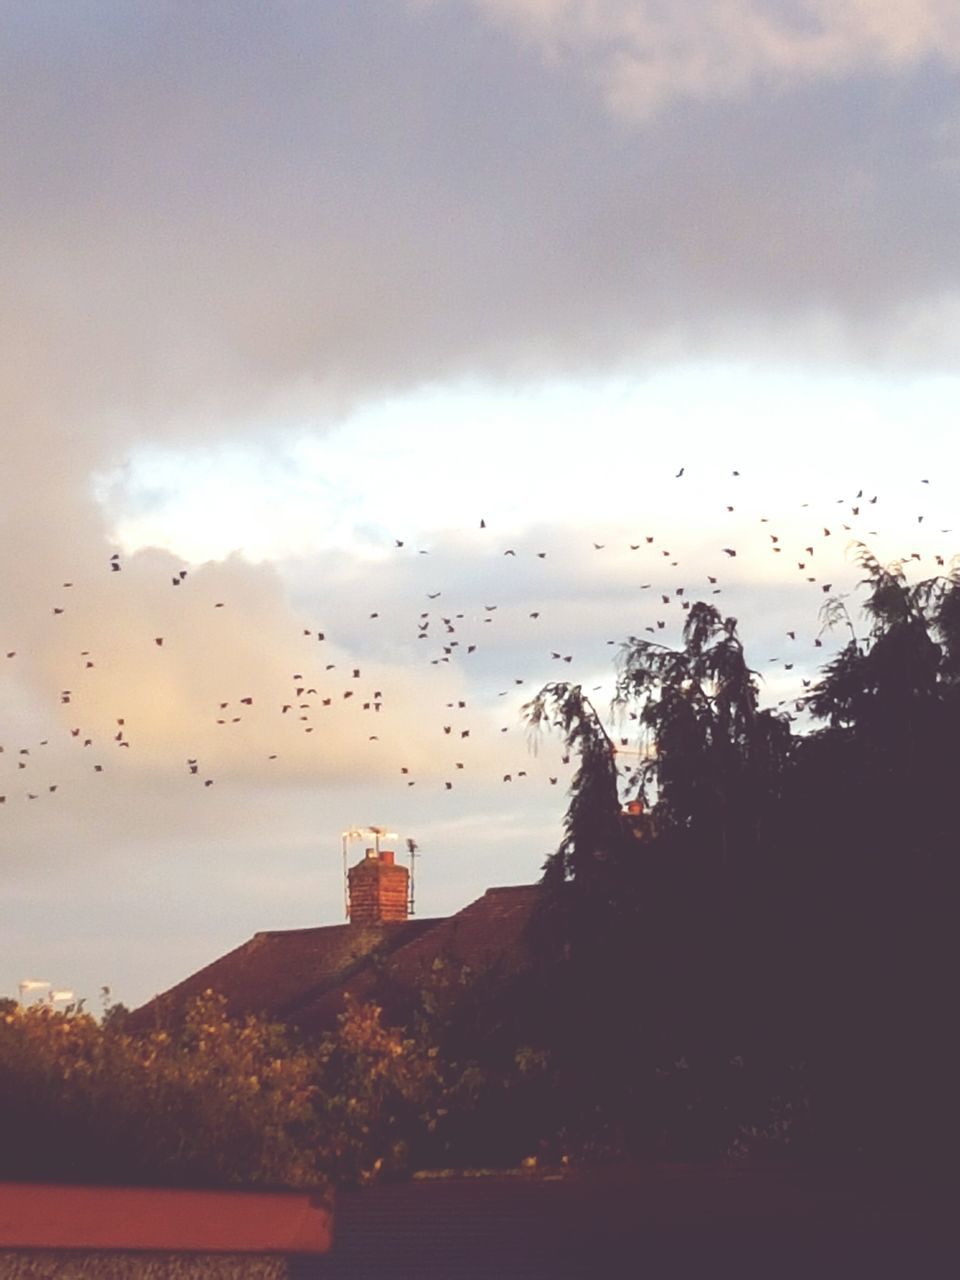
<point>488,931</point>
<point>278,968</point>
<point>301,975</point>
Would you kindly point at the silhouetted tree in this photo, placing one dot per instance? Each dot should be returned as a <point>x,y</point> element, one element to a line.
<point>788,909</point>
<point>713,758</point>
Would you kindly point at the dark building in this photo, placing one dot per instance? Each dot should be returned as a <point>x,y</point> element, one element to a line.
<point>301,976</point>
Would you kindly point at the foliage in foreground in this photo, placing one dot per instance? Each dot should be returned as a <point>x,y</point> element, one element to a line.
<point>219,1101</point>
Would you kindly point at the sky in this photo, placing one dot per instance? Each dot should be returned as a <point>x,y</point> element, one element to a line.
<point>369,359</point>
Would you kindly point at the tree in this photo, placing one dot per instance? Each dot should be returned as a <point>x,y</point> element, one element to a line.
<point>594,836</point>
<point>713,759</point>
<point>870,825</point>
<point>790,906</point>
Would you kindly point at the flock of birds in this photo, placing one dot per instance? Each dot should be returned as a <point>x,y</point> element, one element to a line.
<point>436,636</point>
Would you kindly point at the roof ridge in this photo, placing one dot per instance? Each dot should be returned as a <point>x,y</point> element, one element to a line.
<point>504,888</point>
<point>345,924</point>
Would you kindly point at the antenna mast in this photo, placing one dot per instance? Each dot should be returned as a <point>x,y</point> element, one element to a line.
<point>412,848</point>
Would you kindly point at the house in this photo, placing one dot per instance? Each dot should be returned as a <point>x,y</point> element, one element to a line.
<point>302,976</point>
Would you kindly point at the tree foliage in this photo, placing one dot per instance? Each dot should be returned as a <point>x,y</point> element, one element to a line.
<point>779,932</point>
<point>713,758</point>
<point>593,827</point>
<point>215,1101</point>
<point>218,1102</point>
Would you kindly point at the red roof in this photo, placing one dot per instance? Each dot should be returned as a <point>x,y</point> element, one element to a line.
<point>301,975</point>
<point>488,931</point>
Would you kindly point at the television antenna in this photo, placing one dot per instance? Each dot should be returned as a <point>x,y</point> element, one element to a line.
<point>412,849</point>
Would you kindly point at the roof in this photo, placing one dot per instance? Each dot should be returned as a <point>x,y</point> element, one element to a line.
<point>302,975</point>
<point>279,967</point>
<point>490,930</point>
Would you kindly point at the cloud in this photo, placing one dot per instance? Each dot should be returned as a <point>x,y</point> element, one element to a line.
<point>239,223</point>
<point>220,223</point>
<point>646,54</point>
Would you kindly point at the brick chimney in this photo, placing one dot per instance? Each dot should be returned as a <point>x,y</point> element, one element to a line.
<point>379,888</point>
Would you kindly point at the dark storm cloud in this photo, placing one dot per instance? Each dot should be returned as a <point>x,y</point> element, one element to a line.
<point>207,206</point>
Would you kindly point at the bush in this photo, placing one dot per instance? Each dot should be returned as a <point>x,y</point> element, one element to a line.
<point>220,1102</point>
